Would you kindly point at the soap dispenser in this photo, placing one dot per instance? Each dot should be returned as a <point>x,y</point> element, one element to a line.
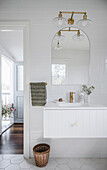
<point>81,97</point>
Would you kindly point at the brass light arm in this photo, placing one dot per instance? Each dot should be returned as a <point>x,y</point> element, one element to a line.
<point>71,20</point>
<point>78,31</point>
<point>61,21</point>
<point>70,30</point>
<point>64,12</point>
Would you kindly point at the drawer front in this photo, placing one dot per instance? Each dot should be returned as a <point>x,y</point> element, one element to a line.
<point>75,123</point>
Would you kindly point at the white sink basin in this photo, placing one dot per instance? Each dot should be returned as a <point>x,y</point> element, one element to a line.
<point>69,104</point>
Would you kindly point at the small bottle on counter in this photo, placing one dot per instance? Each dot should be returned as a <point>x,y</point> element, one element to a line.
<point>81,97</point>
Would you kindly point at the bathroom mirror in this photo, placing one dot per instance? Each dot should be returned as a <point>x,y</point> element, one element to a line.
<point>70,58</point>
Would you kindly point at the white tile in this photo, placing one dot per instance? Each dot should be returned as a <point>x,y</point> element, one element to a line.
<point>51,163</point>
<point>99,163</point>
<point>74,163</point>
<point>17,162</point>
<point>4,163</point>
<point>17,159</point>
<point>0,157</point>
<point>8,156</point>
<point>62,160</point>
<point>88,167</point>
<point>62,167</point>
<point>13,167</point>
<point>50,168</point>
<point>85,161</point>
<point>37,168</point>
<point>27,163</point>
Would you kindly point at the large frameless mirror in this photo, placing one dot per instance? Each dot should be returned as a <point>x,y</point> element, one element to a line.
<point>70,57</point>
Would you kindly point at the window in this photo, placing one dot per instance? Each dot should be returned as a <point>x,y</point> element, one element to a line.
<point>58,74</point>
<point>19,77</point>
<point>7,81</point>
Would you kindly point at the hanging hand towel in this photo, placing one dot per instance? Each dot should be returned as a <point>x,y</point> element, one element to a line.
<point>38,94</point>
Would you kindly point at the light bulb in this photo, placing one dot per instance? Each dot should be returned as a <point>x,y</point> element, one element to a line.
<point>58,46</point>
<point>59,37</point>
<point>78,37</point>
<point>60,21</point>
<point>84,22</point>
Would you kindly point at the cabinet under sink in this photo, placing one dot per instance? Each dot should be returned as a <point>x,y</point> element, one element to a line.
<point>75,122</point>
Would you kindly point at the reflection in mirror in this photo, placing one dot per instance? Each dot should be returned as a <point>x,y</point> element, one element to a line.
<point>70,58</point>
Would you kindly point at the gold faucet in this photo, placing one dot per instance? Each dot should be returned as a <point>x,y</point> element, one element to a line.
<point>71,97</point>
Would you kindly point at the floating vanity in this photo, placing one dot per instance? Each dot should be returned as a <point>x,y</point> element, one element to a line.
<point>74,120</point>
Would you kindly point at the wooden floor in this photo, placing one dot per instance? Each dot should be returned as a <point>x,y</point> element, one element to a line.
<point>11,141</point>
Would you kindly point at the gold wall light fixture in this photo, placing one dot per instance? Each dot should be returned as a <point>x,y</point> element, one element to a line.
<point>59,37</point>
<point>62,21</point>
<point>78,35</point>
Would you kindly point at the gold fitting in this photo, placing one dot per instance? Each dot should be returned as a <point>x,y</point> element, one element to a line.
<point>60,15</point>
<point>59,33</point>
<point>78,32</point>
<point>76,124</point>
<point>85,16</point>
<point>71,21</point>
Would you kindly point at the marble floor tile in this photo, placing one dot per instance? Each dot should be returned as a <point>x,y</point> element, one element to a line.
<point>88,167</point>
<point>4,163</point>
<point>62,167</point>
<point>17,159</point>
<point>51,163</point>
<point>62,160</point>
<point>8,156</point>
<point>13,167</point>
<point>50,168</point>
<point>18,162</point>
<point>1,157</point>
<point>99,163</point>
<point>74,163</point>
<point>37,168</point>
<point>27,163</point>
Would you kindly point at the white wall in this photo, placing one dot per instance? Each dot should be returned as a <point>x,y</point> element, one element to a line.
<point>40,14</point>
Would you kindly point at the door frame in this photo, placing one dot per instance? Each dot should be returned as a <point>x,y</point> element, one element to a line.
<point>22,25</point>
<point>16,91</point>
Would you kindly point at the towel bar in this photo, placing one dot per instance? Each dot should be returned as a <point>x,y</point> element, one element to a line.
<point>34,82</point>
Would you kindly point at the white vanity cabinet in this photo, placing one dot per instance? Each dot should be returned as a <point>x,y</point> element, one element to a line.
<point>74,123</point>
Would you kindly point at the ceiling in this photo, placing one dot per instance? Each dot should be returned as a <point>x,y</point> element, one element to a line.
<point>11,41</point>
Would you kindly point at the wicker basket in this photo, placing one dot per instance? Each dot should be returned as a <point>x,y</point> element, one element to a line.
<point>41,154</point>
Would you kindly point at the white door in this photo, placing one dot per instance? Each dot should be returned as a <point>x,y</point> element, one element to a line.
<point>18,117</point>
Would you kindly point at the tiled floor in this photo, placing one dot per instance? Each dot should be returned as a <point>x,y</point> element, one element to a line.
<point>18,162</point>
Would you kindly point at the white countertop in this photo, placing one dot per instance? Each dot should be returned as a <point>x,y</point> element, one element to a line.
<point>84,106</point>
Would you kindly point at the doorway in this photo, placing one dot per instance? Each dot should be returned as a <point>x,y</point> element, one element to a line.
<point>20,98</point>
<point>7,96</point>
<point>11,45</point>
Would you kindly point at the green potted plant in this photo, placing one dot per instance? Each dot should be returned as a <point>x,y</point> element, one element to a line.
<point>87,91</point>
